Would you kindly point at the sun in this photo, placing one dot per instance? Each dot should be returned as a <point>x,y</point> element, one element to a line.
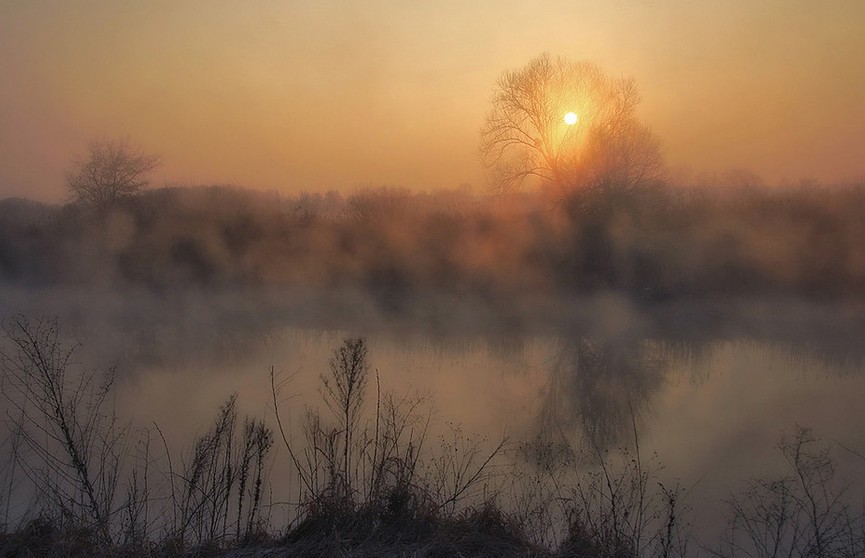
<point>571,118</point>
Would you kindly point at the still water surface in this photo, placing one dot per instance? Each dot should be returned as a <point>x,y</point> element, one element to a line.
<point>713,413</point>
<point>710,397</point>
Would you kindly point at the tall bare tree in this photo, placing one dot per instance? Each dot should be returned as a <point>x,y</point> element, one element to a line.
<point>112,170</point>
<point>526,137</point>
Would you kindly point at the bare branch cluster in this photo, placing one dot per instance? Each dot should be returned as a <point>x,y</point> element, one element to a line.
<point>524,138</point>
<point>803,514</point>
<point>76,441</point>
<point>113,169</point>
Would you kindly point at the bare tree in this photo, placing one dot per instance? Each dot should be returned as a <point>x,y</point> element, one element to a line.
<point>526,136</point>
<point>113,169</point>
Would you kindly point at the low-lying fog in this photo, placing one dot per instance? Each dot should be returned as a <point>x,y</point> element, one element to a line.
<point>709,388</point>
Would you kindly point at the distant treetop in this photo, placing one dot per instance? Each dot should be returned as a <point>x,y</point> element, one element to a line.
<point>112,170</point>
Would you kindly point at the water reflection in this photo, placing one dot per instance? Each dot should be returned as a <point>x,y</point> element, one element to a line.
<point>600,388</point>
<point>710,393</point>
<point>604,362</point>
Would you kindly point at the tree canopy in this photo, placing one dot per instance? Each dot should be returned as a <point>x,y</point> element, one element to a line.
<point>113,169</point>
<point>530,135</point>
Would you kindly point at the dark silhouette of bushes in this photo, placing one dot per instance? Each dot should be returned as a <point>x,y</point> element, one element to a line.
<point>655,242</point>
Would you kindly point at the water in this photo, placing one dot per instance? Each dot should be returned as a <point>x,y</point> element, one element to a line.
<point>709,392</point>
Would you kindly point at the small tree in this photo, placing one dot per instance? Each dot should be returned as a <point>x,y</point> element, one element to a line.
<point>566,125</point>
<point>113,169</point>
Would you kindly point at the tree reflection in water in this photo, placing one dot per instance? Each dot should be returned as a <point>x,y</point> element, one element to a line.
<point>600,389</point>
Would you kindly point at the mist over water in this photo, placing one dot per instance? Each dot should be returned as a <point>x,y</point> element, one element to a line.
<point>710,391</point>
<point>527,341</point>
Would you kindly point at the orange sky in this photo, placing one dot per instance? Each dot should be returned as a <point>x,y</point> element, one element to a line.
<point>331,94</point>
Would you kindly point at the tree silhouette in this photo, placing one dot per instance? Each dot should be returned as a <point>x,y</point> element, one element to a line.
<point>525,137</point>
<point>113,169</point>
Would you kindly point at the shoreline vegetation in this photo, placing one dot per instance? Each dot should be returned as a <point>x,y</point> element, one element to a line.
<point>370,479</point>
<point>654,243</point>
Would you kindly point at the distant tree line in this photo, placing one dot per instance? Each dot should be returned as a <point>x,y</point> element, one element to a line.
<point>581,206</point>
<point>655,242</point>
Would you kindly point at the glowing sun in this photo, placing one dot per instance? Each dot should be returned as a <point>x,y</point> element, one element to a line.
<point>571,118</point>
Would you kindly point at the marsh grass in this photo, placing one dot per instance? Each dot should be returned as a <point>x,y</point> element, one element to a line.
<point>377,483</point>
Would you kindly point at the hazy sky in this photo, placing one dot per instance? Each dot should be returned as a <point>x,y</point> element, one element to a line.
<point>330,94</point>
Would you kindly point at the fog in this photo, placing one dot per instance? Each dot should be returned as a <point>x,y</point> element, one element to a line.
<point>709,388</point>
<point>656,243</point>
<point>611,283</point>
